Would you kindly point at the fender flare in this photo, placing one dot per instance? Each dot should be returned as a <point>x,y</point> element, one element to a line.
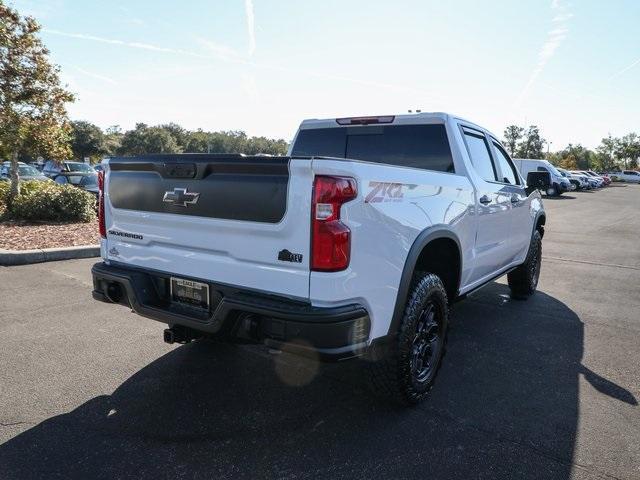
<point>539,213</point>
<point>422,240</point>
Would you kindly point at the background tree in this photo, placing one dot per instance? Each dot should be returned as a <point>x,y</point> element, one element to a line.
<point>180,135</point>
<point>512,135</point>
<point>87,140</point>
<point>628,150</point>
<point>113,139</point>
<point>605,153</point>
<point>145,140</point>
<point>575,157</point>
<point>33,118</point>
<point>532,144</point>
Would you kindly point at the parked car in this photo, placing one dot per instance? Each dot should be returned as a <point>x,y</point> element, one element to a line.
<point>51,168</point>
<point>605,177</point>
<point>594,182</point>
<point>559,184</point>
<point>601,181</point>
<point>580,182</point>
<point>25,172</point>
<point>628,176</point>
<point>85,181</point>
<point>606,180</point>
<point>408,213</point>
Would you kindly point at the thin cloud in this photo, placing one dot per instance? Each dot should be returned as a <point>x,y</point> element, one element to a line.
<point>97,76</point>
<point>137,45</point>
<point>225,54</point>
<point>624,70</point>
<point>221,51</point>
<point>251,27</point>
<point>555,37</point>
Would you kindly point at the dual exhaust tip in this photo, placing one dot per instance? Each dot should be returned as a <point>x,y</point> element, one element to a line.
<point>114,292</point>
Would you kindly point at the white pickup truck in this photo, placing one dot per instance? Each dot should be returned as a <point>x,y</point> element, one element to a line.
<point>355,244</point>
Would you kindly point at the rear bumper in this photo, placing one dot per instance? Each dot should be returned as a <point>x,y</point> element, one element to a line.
<point>330,334</point>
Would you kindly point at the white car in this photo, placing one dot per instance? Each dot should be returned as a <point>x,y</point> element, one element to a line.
<point>627,175</point>
<point>355,244</point>
<point>601,181</point>
<point>594,182</point>
<point>579,182</point>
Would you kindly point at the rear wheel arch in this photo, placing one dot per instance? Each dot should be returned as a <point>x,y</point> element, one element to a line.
<point>434,251</point>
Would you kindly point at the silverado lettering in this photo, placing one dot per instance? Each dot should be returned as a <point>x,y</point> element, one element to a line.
<point>118,233</point>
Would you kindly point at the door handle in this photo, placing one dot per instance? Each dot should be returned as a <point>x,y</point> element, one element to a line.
<point>485,199</point>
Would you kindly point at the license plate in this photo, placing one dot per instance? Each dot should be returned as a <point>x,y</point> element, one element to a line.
<point>188,292</point>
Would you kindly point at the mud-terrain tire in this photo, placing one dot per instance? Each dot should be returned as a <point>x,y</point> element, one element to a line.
<point>523,281</point>
<point>408,370</point>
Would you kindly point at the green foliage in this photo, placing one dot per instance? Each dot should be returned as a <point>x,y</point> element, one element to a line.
<point>532,144</point>
<point>172,138</point>
<point>4,195</point>
<point>512,135</point>
<point>87,140</point>
<point>524,143</point>
<point>144,139</point>
<point>33,118</point>
<point>575,157</point>
<point>48,201</point>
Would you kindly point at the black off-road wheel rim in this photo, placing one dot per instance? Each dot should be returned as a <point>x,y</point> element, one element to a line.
<point>535,270</point>
<point>427,344</point>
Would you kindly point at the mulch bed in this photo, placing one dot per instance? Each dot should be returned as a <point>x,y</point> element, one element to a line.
<point>30,235</point>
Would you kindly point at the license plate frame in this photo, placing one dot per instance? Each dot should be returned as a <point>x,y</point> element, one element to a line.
<point>190,293</point>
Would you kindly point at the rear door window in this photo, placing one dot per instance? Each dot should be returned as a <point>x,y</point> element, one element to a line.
<point>506,165</point>
<point>478,149</point>
<point>417,146</point>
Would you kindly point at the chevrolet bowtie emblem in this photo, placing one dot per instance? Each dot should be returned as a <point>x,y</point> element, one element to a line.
<point>180,197</point>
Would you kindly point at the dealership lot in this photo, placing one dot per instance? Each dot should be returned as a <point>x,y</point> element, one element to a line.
<point>547,388</point>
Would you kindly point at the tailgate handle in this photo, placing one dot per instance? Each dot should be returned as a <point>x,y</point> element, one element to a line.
<point>179,170</point>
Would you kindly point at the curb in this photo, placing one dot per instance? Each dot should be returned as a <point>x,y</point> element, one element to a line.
<point>25,257</point>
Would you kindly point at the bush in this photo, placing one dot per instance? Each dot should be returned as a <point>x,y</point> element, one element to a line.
<point>4,193</point>
<point>48,201</point>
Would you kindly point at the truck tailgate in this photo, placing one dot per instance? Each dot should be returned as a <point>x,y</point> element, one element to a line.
<point>229,219</point>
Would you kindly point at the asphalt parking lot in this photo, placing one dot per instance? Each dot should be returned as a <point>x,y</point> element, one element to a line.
<point>546,388</point>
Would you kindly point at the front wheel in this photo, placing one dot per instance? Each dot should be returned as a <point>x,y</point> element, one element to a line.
<point>553,191</point>
<point>408,370</point>
<point>523,281</point>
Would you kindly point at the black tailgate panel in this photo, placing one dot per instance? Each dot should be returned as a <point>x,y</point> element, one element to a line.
<point>232,187</point>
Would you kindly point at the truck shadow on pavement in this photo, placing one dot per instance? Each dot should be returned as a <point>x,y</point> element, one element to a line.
<point>505,405</point>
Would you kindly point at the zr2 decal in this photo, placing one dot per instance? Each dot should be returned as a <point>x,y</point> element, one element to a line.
<point>384,192</point>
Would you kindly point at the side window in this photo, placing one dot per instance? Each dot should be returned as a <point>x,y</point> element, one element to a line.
<point>478,149</point>
<point>542,169</point>
<point>506,165</point>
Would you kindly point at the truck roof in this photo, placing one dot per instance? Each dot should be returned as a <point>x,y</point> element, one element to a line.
<point>402,119</point>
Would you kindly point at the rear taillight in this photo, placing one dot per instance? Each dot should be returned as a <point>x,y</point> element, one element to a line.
<point>331,239</point>
<point>101,221</point>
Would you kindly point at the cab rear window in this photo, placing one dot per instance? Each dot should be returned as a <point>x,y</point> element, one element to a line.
<point>416,146</point>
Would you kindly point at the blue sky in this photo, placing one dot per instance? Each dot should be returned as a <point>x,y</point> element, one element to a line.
<point>262,66</point>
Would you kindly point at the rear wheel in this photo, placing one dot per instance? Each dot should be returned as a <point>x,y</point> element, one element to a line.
<point>523,281</point>
<point>407,372</point>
